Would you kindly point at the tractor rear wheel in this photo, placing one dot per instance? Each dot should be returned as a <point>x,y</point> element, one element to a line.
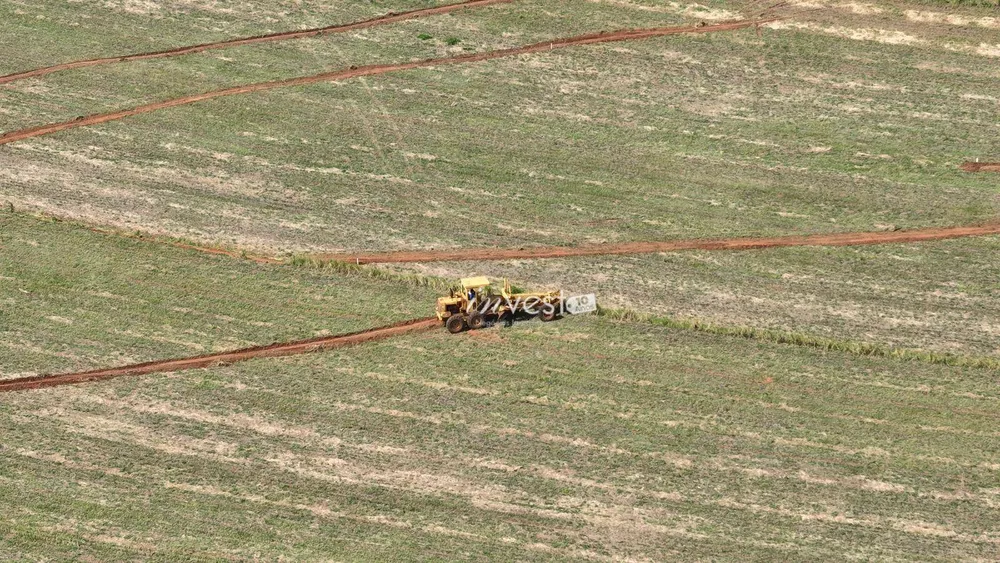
<point>476,321</point>
<point>455,324</point>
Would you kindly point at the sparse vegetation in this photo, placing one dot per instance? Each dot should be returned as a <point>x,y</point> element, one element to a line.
<point>984,3</point>
<point>74,300</point>
<point>799,339</point>
<point>370,272</point>
<point>584,436</point>
<point>800,403</point>
<point>801,153</point>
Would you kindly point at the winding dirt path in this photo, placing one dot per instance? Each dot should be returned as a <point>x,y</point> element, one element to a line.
<point>282,36</point>
<point>271,351</point>
<point>641,247</point>
<point>371,70</point>
<point>981,166</point>
<point>835,239</point>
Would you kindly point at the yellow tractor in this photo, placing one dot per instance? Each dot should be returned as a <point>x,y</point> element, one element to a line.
<point>475,303</point>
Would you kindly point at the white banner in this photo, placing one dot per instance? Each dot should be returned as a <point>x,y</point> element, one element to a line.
<point>579,304</point>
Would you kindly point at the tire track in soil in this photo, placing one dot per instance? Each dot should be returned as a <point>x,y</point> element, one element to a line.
<point>981,166</point>
<point>748,243</point>
<point>373,70</point>
<point>224,358</point>
<point>240,42</point>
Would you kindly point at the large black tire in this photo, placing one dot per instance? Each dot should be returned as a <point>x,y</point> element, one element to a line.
<point>455,324</point>
<point>547,315</point>
<point>476,321</point>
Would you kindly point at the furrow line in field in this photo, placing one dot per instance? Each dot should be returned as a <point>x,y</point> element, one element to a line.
<point>207,360</point>
<point>373,70</point>
<point>857,238</point>
<point>242,41</point>
<point>647,247</point>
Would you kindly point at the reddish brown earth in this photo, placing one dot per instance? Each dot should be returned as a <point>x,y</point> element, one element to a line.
<point>283,36</point>
<point>371,70</point>
<point>981,166</point>
<point>835,239</point>
<point>208,360</point>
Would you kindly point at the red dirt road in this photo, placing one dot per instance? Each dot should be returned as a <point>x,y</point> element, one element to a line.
<point>283,36</point>
<point>641,247</point>
<point>371,70</point>
<point>271,351</point>
<point>981,166</point>
<point>836,239</point>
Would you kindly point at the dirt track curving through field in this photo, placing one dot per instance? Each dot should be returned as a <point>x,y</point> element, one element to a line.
<point>208,360</point>
<point>981,166</point>
<point>641,247</point>
<point>271,37</point>
<point>748,243</point>
<point>371,70</point>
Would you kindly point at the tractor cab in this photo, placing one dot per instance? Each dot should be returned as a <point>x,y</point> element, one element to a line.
<point>477,288</point>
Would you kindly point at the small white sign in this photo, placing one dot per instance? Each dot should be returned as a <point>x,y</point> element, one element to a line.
<point>581,304</point>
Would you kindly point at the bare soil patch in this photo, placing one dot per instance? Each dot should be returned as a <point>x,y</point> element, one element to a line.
<point>981,166</point>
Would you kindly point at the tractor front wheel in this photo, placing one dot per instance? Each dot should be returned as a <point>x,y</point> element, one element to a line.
<point>547,315</point>
<point>455,324</point>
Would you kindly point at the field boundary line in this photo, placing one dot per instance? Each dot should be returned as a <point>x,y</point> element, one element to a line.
<point>389,18</point>
<point>648,247</point>
<point>378,69</point>
<point>344,260</point>
<point>186,245</point>
<point>224,358</point>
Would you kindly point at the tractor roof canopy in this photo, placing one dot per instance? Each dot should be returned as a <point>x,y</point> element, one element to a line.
<point>475,283</point>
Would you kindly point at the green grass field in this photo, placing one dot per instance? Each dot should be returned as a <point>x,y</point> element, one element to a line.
<point>716,135</point>
<point>587,438</point>
<point>782,131</point>
<point>75,300</point>
<point>940,297</point>
<point>580,438</point>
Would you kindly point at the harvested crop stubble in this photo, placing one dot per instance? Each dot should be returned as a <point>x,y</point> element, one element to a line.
<point>373,70</point>
<point>243,41</point>
<point>837,239</point>
<point>269,351</point>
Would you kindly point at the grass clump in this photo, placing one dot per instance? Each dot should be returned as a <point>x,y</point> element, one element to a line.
<point>867,349</point>
<point>981,3</point>
<point>346,268</point>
